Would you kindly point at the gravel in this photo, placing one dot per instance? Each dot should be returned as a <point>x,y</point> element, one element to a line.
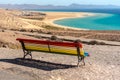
<point>103,64</point>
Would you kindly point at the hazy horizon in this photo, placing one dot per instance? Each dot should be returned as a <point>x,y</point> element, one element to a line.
<point>61,5</point>
<point>62,2</point>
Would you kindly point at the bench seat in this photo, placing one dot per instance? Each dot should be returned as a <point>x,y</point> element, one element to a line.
<point>66,48</point>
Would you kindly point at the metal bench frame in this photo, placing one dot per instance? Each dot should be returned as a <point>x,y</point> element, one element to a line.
<point>28,52</point>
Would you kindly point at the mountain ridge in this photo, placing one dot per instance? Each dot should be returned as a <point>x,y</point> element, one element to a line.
<point>71,6</point>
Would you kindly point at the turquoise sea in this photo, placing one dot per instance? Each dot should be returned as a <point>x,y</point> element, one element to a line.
<point>104,19</point>
<point>100,21</point>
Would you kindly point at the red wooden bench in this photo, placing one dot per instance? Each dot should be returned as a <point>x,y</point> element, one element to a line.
<point>67,48</point>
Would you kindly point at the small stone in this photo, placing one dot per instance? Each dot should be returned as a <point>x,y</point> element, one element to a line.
<point>3,30</point>
<point>5,46</point>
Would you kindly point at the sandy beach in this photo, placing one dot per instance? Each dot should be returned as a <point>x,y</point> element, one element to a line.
<point>103,64</point>
<point>52,16</point>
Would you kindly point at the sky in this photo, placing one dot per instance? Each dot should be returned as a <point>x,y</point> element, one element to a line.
<point>61,2</point>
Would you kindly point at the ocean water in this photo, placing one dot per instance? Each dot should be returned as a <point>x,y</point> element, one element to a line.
<point>104,19</point>
<point>98,22</point>
<point>112,11</point>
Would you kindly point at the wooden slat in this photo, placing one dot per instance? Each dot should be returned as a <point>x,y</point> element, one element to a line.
<point>67,44</point>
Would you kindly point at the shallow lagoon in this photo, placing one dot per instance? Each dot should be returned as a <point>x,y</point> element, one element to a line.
<point>99,21</point>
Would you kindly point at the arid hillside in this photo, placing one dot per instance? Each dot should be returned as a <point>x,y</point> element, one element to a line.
<point>10,19</point>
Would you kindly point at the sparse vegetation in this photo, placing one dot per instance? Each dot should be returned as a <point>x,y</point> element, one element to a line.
<point>33,15</point>
<point>9,45</point>
<point>44,25</point>
<point>53,37</point>
<point>96,43</point>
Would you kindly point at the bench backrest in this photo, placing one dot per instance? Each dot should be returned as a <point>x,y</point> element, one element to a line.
<point>68,48</point>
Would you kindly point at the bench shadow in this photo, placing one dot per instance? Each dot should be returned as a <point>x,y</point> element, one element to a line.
<point>44,65</point>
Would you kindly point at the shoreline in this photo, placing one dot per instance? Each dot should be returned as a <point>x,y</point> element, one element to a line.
<point>75,15</point>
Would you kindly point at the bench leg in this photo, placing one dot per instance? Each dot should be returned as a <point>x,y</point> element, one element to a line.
<point>81,58</point>
<point>26,52</point>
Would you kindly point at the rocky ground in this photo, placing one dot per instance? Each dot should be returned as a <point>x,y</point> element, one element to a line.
<point>103,64</point>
